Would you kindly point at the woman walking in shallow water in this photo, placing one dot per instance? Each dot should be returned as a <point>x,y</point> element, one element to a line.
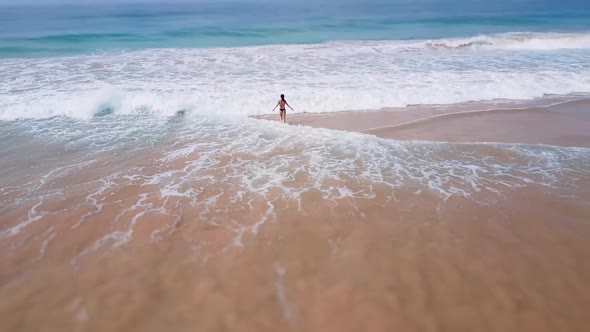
<point>282,110</point>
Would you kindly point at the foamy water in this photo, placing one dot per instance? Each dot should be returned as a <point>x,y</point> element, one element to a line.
<point>327,77</point>
<point>212,163</point>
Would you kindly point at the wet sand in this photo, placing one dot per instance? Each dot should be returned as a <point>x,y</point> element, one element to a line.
<point>116,254</point>
<point>372,266</point>
<point>415,263</point>
<point>563,124</point>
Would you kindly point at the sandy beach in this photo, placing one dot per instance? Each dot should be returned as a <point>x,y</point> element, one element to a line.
<point>337,232</point>
<point>418,263</point>
<point>563,124</point>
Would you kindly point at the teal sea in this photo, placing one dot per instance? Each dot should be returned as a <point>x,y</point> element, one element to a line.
<point>70,29</point>
<point>202,57</point>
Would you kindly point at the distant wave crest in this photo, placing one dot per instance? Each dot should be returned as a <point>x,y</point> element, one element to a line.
<point>529,41</point>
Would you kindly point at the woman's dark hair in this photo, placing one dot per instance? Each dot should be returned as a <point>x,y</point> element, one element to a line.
<point>283,97</point>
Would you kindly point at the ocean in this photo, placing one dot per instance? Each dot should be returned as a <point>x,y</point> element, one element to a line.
<point>38,30</point>
<point>168,58</point>
<point>134,173</point>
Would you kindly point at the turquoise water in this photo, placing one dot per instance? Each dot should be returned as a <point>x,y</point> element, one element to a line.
<point>27,31</point>
<point>327,55</point>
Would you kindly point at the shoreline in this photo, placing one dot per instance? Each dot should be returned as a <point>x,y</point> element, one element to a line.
<point>300,222</point>
<point>561,124</point>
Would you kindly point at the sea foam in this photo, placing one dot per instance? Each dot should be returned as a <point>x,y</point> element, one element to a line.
<point>327,77</point>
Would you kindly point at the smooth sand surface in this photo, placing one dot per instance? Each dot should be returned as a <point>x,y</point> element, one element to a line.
<point>566,124</point>
<point>369,266</point>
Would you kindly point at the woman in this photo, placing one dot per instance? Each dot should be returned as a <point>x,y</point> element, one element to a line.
<point>283,111</point>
